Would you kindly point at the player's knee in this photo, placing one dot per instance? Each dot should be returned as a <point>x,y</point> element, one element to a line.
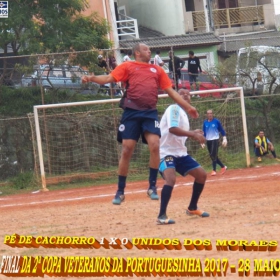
<point>127,150</point>
<point>154,147</point>
<point>170,180</point>
<point>200,175</point>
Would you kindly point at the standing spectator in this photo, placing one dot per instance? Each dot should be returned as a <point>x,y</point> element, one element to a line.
<point>193,67</point>
<point>263,145</point>
<point>157,59</point>
<point>175,129</point>
<point>178,65</point>
<point>103,64</point>
<point>212,128</point>
<point>112,61</point>
<point>140,116</point>
<point>127,57</point>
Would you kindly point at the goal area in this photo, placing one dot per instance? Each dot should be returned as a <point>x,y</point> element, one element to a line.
<point>78,141</point>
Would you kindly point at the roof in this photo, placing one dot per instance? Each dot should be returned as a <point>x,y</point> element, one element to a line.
<point>162,42</point>
<point>145,32</point>
<point>234,42</point>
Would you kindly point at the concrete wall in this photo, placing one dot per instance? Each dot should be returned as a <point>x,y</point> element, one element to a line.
<point>165,16</point>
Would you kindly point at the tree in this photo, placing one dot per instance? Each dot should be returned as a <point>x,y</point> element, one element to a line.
<point>258,70</point>
<point>44,26</point>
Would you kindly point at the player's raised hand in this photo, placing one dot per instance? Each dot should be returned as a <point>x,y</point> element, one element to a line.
<point>193,112</point>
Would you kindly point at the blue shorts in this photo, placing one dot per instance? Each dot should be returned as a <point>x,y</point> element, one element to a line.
<point>134,123</point>
<point>182,165</point>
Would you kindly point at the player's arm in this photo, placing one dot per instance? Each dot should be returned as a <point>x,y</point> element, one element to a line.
<point>269,143</point>
<point>220,128</point>
<point>183,104</point>
<point>195,134</point>
<point>182,63</point>
<point>257,143</point>
<point>198,64</point>
<point>100,79</point>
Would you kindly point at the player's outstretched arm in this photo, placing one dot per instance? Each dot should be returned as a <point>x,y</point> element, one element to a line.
<point>183,104</point>
<point>101,79</point>
<point>195,134</point>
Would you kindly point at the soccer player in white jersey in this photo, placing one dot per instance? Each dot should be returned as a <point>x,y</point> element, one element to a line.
<point>175,130</point>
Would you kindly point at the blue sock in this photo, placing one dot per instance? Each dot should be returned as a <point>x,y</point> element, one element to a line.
<point>121,184</point>
<point>153,177</point>
<point>165,197</point>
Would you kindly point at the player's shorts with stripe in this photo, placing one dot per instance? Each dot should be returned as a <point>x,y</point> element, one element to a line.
<point>134,123</point>
<point>182,165</point>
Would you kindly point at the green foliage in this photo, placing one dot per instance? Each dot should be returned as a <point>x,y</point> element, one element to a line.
<point>23,180</point>
<point>20,101</point>
<point>49,26</point>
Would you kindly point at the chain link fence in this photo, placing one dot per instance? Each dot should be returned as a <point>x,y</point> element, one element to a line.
<point>52,78</point>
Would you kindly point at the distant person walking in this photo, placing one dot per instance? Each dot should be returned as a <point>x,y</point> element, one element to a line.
<point>157,59</point>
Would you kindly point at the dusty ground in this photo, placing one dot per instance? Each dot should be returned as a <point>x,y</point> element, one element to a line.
<point>243,204</point>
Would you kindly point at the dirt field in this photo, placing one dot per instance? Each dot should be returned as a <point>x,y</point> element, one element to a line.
<point>243,205</point>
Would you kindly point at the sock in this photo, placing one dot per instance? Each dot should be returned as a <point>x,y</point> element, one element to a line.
<point>153,177</point>
<point>121,184</point>
<point>214,164</point>
<point>273,153</point>
<point>165,197</point>
<point>197,190</point>
<point>220,163</point>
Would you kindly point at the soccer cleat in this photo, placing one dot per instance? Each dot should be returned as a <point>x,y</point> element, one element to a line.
<point>152,193</point>
<point>197,212</point>
<point>119,198</point>
<point>163,220</point>
<point>223,170</point>
<point>213,173</point>
<point>259,159</point>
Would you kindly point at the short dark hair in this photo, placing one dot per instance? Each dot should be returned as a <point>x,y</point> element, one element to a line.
<point>191,53</point>
<point>136,48</point>
<point>158,52</point>
<point>129,52</point>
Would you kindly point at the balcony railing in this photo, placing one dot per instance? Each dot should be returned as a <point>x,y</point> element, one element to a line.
<point>227,18</point>
<point>127,27</point>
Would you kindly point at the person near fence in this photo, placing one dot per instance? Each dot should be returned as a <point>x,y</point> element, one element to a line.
<point>157,59</point>
<point>127,57</point>
<point>175,130</point>
<point>103,64</point>
<point>212,128</point>
<point>140,116</point>
<point>263,146</point>
<point>193,70</point>
<point>178,65</point>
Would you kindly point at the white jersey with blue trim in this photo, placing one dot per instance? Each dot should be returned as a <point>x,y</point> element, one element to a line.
<point>170,144</point>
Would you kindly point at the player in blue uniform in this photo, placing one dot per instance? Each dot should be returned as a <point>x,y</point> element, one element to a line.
<point>212,129</point>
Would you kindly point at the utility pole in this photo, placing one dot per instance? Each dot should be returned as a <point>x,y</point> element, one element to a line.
<point>205,6</point>
<point>211,20</point>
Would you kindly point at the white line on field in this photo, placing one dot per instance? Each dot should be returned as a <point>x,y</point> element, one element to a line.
<point>112,194</point>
